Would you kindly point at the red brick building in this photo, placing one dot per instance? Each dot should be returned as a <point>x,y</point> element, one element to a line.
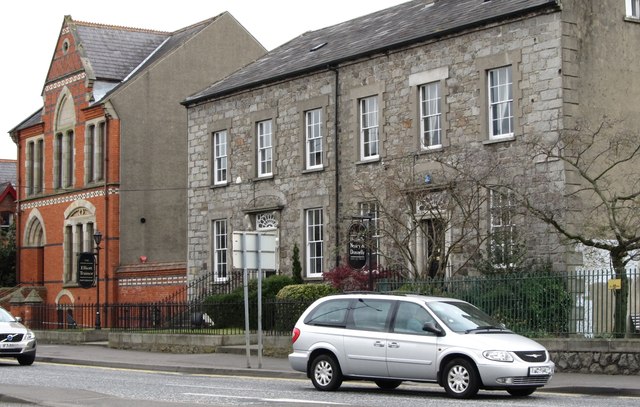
<point>107,153</point>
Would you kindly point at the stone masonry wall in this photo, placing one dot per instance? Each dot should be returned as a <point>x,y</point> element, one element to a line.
<point>531,45</point>
<point>616,357</point>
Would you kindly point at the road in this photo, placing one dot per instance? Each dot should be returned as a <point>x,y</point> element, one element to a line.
<point>62,385</point>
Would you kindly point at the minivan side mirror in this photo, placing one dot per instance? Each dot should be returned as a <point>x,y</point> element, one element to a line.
<point>433,328</point>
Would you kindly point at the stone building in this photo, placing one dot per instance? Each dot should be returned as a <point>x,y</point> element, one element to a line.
<point>107,153</point>
<point>386,119</point>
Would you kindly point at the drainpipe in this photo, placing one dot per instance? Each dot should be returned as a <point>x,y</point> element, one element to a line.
<point>18,217</point>
<point>336,106</point>
<point>105,158</point>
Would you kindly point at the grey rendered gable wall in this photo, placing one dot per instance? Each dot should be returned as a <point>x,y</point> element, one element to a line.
<point>154,152</point>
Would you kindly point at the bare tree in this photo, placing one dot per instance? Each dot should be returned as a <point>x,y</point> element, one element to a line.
<point>602,197</point>
<point>425,216</point>
<point>584,184</point>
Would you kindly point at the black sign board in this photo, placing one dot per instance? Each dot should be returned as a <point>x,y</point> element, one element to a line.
<point>357,246</point>
<point>86,269</point>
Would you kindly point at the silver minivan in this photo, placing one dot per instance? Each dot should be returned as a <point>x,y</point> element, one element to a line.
<point>389,339</point>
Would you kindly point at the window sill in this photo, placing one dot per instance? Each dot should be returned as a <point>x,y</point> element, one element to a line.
<point>262,178</point>
<point>427,150</point>
<point>312,170</point>
<point>632,19</point>
<point>369,161</point>
<point>221,185</point>
<point>499,140</point>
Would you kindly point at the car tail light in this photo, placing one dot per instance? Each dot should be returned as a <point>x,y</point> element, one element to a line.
<point>295,335</point>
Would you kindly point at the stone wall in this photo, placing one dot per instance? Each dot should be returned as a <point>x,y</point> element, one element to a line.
<point>597,356</point>
<point>531,45</point>
<point>601,356</point>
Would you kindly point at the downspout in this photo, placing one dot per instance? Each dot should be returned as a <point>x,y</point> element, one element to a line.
<point>336,110</point>
<point>105,158</point>
<point>18,235</point>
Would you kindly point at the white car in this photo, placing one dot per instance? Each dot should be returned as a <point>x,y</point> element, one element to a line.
<point>389,339</point>
<point>16,341</point>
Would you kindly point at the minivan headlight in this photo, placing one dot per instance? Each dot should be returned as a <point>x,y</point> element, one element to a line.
<point>498,355</point>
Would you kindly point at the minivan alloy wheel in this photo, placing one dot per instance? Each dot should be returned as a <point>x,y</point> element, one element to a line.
<point>458,379</point>
<point>325,373</point>
<point>461,380</point>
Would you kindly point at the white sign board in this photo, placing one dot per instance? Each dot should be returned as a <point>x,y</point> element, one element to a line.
<point>249,247</point>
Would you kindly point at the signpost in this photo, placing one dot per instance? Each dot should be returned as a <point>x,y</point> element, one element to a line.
<point>86,269</point>
<point>254,250</point>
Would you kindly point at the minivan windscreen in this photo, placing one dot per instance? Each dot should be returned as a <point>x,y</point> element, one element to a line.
<point>464,317</point>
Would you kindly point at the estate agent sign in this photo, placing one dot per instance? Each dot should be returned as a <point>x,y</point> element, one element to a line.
<point>86,269</point>
<point>357,245</point>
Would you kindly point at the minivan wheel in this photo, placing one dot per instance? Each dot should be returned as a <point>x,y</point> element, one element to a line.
<point>388,384</point>
<point>460,379</point>
<point>521,391</point>
<point>325,373</point>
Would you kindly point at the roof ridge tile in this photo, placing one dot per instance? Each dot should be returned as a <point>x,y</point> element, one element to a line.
<point>120,27</point>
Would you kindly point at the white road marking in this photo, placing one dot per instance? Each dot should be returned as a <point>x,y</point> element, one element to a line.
<point>264,399</point>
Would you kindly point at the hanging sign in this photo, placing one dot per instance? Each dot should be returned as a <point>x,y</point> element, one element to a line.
<point>357,245</point>
<point>86,269</point>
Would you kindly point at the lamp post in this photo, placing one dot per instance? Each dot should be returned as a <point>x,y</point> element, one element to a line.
<point>97,237</point>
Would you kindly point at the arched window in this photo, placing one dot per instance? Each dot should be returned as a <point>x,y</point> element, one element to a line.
<point>64,143</point>
<point>34,232</point>
<point>79,226</point>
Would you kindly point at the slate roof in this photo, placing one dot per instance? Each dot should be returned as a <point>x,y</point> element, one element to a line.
<point>391,28</point>
<point>117,54</point>
<point>8,170</point>
<point>114,52</point>
<point>35,118</point>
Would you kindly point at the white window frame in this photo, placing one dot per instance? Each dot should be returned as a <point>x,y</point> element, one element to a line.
<point>58,142</point>
<point>94,152</point>
<point>430,116</point>
<point>314,232</point>
<point>220,157</point>
<point>265,148</point>
<point>500,99</point>
<point>89,153</point>
<point>501,221</point>
<point>369,128</point>
<point>220,232</point>
<point>633,9</point>
<point>79,226</point>
<point>373,209</point>
<point>68,153</point>
<point>98,151</point>
<point>34,166</point>
<point>313,130</point>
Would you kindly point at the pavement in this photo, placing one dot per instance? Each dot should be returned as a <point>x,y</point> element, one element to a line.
<point>237,363</point>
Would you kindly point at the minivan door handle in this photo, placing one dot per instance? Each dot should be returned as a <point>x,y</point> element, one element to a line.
<point>394,345</point>
<point>378,344</point>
